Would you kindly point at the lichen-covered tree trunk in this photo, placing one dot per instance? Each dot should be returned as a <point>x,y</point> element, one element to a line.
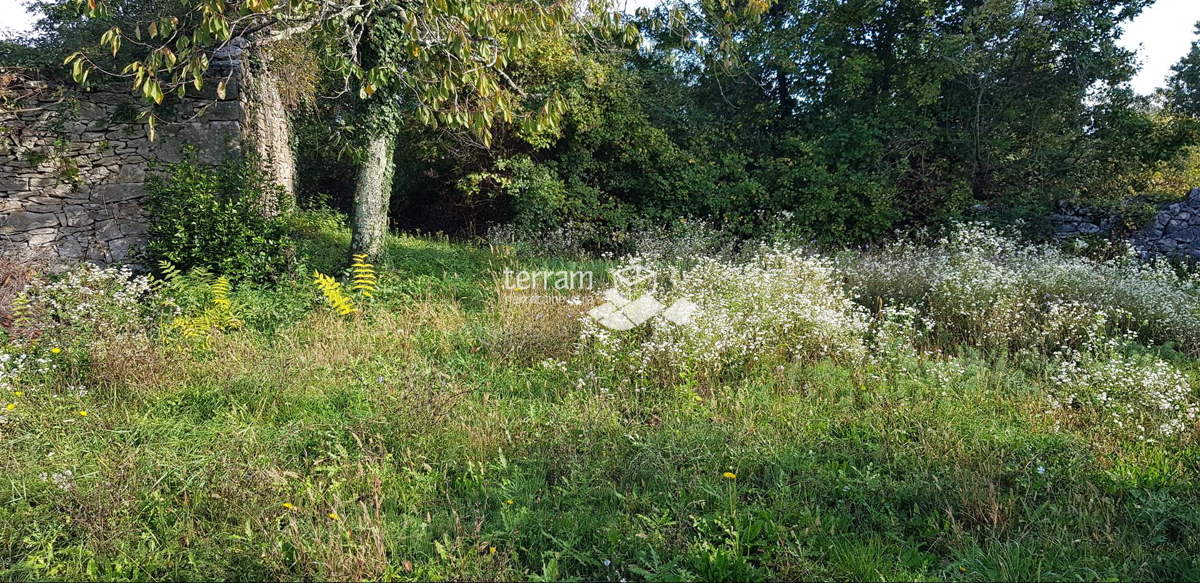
<point>371,197</point>
<point>268,131</point>
<point>273,139</point>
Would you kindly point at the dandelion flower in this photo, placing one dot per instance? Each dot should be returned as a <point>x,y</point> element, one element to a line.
<point>492,550</point>
<point>11,406</point>
<point>19,393</point>
<point>83,413</point>
<point>730,475</point>
<point>334,516</point>
<point>55,350</point>
<point>288,505</point>
<point>509,502</point>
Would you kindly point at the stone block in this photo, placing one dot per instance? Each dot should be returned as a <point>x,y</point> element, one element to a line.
<point>70,248</point>
<point>78,216</point>
<point>22,221</point>
<point>131,173</point>
<point>224,111</point>
<point>122,249</point>
<point>41,237</point>
<point>110,193</point>
<point>134,228</point>
<point>44,208</point>
<point>14,184</point>
<point>108,230</point>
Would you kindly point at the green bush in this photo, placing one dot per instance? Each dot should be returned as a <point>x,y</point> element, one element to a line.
<point>208,218</point>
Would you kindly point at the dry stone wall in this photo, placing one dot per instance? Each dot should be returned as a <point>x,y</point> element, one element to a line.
<point>73,166</point>
<point>1174,232</point>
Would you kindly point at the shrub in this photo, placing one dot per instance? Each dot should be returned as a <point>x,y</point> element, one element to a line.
<point>201,302</point>
<point>215,220</point>
<point>983,288</point>
<point>778,305</point>
<point>87,304</point>
<point>1128,394</point>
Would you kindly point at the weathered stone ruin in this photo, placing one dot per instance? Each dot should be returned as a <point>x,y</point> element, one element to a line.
<point>1173,233</point>
<point>73,164</point>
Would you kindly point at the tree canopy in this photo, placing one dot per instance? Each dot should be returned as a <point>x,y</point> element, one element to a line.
<point>836,119</point>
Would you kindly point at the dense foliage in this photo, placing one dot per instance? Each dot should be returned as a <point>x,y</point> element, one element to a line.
<point>215,220</point>
<point>835,120</point>
<point>844,119</point>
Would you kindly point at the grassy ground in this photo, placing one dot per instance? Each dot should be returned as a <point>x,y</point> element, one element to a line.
<point>428,439</point>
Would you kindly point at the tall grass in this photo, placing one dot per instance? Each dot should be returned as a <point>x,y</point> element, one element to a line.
<point>878,425</point>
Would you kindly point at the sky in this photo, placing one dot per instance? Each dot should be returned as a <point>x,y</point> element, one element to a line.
<point>1162,34</point>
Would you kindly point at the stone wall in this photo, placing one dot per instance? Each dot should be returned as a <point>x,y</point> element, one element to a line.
<point>73,165</point>
<point>1071,219</point>
<point>1173,233</point>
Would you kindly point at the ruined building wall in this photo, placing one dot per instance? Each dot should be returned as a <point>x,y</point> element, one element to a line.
<point>73,164</point>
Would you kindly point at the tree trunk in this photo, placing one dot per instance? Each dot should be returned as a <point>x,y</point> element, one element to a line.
<point>372,196</point>
<point>269,132</point>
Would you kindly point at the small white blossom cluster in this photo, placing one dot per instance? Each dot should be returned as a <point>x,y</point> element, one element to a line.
<point>88,298</point>
<point>16,365</point>
<point>683,239</point>
<point>65,480</point>
<point>1142,394</point>
<point>985,288</point>
<point>898,331</point>
<point>781,303</point>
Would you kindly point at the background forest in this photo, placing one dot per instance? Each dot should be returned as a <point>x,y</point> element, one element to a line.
<point>835,120</point>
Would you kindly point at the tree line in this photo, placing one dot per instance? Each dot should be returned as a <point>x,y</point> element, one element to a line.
<point>837,120</point>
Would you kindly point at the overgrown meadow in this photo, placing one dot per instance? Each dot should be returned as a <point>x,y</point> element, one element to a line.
<point>954,408</point>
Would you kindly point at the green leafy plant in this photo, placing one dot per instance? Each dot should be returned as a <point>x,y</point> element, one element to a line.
<point>216,220</point>
<point>210,313</point>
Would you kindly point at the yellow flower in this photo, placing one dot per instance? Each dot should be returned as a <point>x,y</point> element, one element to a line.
<point>492,550</point>
<point>509,502</point>
<point>83,413</point>
<point>11,406</point>
<point>19,394</point>
<point>730,475</point>
<point>334,516</point>
<point>55,350</point>
<point>288,505</point>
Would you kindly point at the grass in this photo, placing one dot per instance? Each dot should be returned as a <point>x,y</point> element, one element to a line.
<point>427,439</point>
